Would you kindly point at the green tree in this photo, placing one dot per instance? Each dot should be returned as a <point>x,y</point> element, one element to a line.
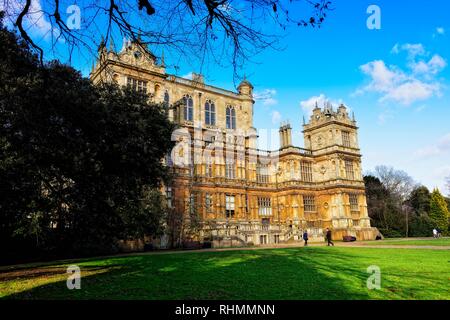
<point>384,208</point>
<point>80,165</point>
<point>419,203</point>
<point>419,200</point>
<point>438,211</point>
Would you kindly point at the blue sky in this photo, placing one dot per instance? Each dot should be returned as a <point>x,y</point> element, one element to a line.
<point>395,79</point>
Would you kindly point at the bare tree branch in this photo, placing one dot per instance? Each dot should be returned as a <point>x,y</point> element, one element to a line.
<point>226,31</point>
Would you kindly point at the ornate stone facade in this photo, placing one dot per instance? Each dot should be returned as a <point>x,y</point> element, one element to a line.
<point>238,194</point>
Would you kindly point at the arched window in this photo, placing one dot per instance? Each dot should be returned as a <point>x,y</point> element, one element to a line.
<point>231,118</point>
<point>188,108</point>
<point>210,113</point>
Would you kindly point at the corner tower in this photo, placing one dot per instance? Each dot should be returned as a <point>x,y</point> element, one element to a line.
<point>332,137</point>
<point>328,128</point>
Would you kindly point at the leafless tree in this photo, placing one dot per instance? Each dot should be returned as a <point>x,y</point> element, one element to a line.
<point>400,185</point>
<point>220,31</point>
<point>397,182</point>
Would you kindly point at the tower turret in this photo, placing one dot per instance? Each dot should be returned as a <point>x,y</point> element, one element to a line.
<point>245,88</point>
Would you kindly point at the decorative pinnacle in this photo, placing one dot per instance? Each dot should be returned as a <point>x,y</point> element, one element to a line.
<point>163,64</point>
<point>112,46</point>
<point>102,43</point>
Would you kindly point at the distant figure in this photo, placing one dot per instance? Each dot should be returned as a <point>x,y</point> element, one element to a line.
<point>328,236</point>
<point>305,237</point>
<point>435,233</point>
<point>438,232</point>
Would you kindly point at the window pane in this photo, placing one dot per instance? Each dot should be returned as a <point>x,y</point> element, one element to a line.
<point>233,119</point>
<point>213,114</point>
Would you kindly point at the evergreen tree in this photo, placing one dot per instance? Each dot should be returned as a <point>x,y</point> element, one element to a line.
<point>80,165</point>
<point>438,211</point>
<point>419,200</point>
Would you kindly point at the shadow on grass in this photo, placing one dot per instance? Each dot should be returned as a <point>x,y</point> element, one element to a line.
<point>279,274</point>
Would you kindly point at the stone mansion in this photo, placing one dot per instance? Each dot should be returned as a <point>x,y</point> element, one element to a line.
<point>241,195</point>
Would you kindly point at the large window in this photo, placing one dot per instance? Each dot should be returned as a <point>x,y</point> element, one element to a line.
<point>231,118</point>
<point>209,170</point>
<point>229,205</point>
<point>350,174</point>
<point>346,138</point>
<point>262,173</point>
<point>188,108</point>
<point>137,85</point>
<point>169,197</point>
<point>306,171</point>
<point>353,202</point>
<point>264,206</point>
<point>208,202</point>
<point>210,113</point>
<point>309,203</point>
<point>192,204</point>
<point>230,171</point>
<point>292,169</point>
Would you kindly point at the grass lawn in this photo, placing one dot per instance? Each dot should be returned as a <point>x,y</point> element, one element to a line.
<point>288,273</point>
<point>413,242</point>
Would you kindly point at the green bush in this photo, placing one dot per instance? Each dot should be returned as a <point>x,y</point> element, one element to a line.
<point>389,233</point>
<point>421,226</point>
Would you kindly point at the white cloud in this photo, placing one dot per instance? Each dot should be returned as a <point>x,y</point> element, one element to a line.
<point>384,116</point>
<point>440,175</point>
<point>435,65</point>
<point>413,49</point>
<point>395,49</point>
<point>276,117</point>
<point>383,77</point>
<point>437,149</point>
<point>187,76</point>
<point>266,96</point>
<point>309,104</point>
<point>35,21</point>
<point>439,31</point>
<point>412,91</point>
<point>421,108</point>
<point>406,87</point>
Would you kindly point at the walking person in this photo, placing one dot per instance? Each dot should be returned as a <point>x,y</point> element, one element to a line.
<point>305,237</point>
<point>328,236</point>
<point>435,233</point>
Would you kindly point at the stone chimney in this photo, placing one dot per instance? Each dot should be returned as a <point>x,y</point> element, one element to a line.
<point>285,135</point>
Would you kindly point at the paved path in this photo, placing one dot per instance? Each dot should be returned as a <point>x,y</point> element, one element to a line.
<point>298,245</point>
<point>393,246</point>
